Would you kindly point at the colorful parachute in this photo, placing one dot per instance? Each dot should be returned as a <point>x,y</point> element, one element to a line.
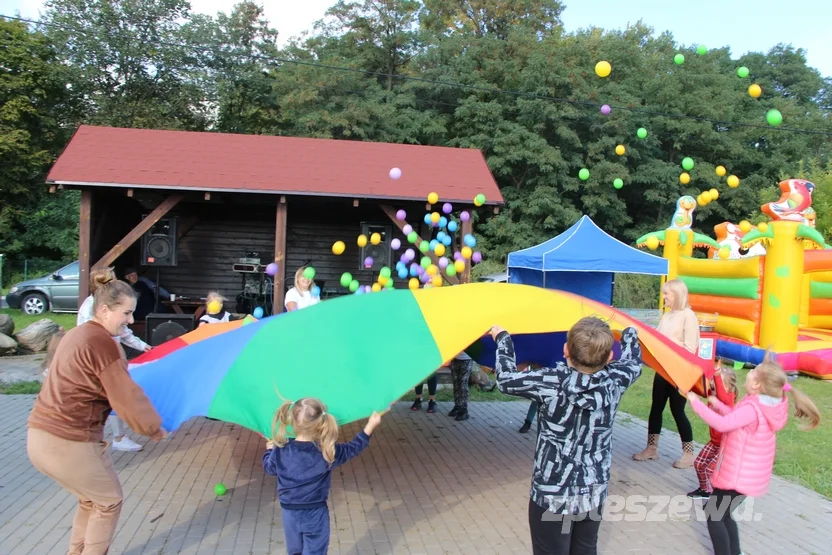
<point>359,353</point>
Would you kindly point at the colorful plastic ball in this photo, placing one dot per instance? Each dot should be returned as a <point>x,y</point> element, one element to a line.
<point>679,59</point>
<point>362,241</point>
<point>451,270</point>
<point>433,243</point>
<point>359,291</point>
<point>443,221</point>
<point>432,270</point>
<point>701,200</point>
<point>439,249</point>
<point>412,237</point>
<point>258,312</point>
<point>464,216</point>
<point>309,273</point>
<point>724,252</point>
<point>376,287</point>
<point>720,171</point>
<point>383,280</point>
<point>443,262</point>
<point>457,255</point>
<point>742,72</point>
<point>214,307</point>
<point>368,262</point>
<point>389,285</point>
<point>424,247</point>
<point>346,279</point>
<point>414,269</point>
<point>410,254</point>
<point>407,229</point>
<point>687,163</point>
<point>433,198</point>
<point>469,240</point>
<point>641,133</point>
<point>652,243</point>
<point>436,281</point>
<point>774,118</point>
<point>271,269</point>
<point>684,178</point>
<point>618,183</point>
<point>733,181</point>
<point>583,174</point>
<point>385,272</point>
<point>446,240</point>
<point>338,248</point>
<point>467,253</point>
<point>755,91</point>
<point>395,173</point>
<point>220,489</point>
<point>427,219</point>
<point>714,194</point>
<point>745,226</point>
<point>434,217</point>
<point>424,277</point>
<point>762,227</point>
<point>425,262</point>
<point>459,266</point>
<point>413,284</point>
<point>476,258</point>
<point>620,150</point>
<point>701,49</point>
<point>447,208</point>
<point>401,215</point>
<point>395,244</point>
<point>605,109</point>
<point>603,69</point>
<point>354,285</point>
<point>453,226</point>
<point>375,238</point>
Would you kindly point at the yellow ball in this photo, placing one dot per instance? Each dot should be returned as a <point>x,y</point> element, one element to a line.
<point>338,247</point>
<point>214,307</point>
<point>620,150</point>
<point>652,243</point>
<point>762,227</point>
<point>724,252</point>
<point>413,284</point>
<point>439,250</point>
<point>376,288</point>
<point>755,91</point>
<point>433,198</point>
<point>432,270</point>
<point>714,194</point>
<point>467,253</point>
<point>603,69</point>
<point>382,280</point>
<point>362,241</point>
<point>684,178</point>
<point>720,171</point>
<point>436,281</point>
<point>375,238</point>
<point>702,200</point>
<point>459,266</point>
<point>745,226</point>
<point>733,181</point>
<point>434,217</point>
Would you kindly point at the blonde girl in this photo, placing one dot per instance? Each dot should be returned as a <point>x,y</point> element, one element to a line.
<point>300,296</point>
<point>749,442</point>
<point>214,300</point>
<point>303,467</point>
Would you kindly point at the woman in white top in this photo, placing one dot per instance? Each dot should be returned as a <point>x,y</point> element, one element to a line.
<point>98,277</point>
<point>300,296</point>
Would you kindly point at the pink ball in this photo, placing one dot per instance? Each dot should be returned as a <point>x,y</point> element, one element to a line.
<point>465,216</point>
<point>447,208</point>
<point>443,262</point>
<point>271,269</point>
<point>401,215</point>
<point>395,244</point>
<point>605,109</point>
<point>395,173</point>
<point>476,257</point>
<point>408,229</point>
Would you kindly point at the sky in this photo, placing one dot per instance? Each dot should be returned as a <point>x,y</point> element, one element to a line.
<point>742,25</point>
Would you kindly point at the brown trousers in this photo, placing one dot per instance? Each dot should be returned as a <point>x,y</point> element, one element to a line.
<point>85,469</point>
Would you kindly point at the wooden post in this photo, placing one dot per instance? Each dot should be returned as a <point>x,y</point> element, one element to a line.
<point>136,233</point>
<point>467,227</point>
<point>281,220</point>
<point>84,245</point>
<point>392,215</point>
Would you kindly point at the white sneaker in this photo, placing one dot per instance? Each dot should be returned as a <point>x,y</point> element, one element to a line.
<point>126,444</point>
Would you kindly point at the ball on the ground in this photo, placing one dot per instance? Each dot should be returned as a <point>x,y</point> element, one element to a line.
<point>220,489</point>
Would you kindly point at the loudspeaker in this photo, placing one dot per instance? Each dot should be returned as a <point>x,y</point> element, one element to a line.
<point>159,244</point>
<point>161,328</point>
<point>379,253</point>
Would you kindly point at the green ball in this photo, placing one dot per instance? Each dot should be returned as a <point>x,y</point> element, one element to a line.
<point>701,49</point>
<point>450,270</point>
<point>479,199</point>
<point>774,117</point>
<point>425,262</point>
<point>309,273</point>
<point>424,246</point>
<point>346,279</point>
<point>618,183</point>
<point>687,163</point>
<point>583,174</point>
<point>642,133</point>
<point>390,284</point>
<point>679,59</point>
<point>220,490</point>
<point>354,286</point>
<point>384,272</point>
<point>412,237</point>
<point>743,72</point>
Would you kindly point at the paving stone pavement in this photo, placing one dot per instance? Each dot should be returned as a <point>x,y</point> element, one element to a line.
<point>426,485</point>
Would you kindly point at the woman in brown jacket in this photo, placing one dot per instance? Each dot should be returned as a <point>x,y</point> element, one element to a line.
<point>87,379</point>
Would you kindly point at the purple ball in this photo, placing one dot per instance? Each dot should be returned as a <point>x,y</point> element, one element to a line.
<point>408,229</point>
<point>368,262</point>
<point>424,277</point>
<point>395,173</point>
<point>395,244</point>
<point>465,216</point>
<point>457,255</point>
<point>605,109</point>
<point>447,208</point>
<point>476,257</point>
<point>271,269</point>
<point>368,289</point>
<point>443,262</point>
<point>401,215</point>
<point>410,254</point>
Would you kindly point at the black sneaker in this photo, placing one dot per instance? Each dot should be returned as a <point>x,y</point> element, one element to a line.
<point>699,493</point>
<point>462,415</point>
<point>417,405</point>
<point>526,427</point>
<point>454,411</point>
<point>431,407</point>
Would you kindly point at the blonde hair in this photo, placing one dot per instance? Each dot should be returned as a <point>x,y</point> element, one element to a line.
<point>729,381</point>
<point>590,343</point>
<point>680,294</point>
<point>99,277</point>
<point>112,294</point>
<point>215,296</point>
<point>773,379</point>
<point>298,275</point>
<point>307,417</point>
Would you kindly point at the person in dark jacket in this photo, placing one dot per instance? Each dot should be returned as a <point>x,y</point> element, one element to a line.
<point>303,467</point>
<point>145,296</point>
<point>578,401</point>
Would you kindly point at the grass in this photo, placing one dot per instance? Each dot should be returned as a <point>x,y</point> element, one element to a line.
<point>803,457</point>
<point>21,320</point>
<point>20,388</point>
<point>474,395</point>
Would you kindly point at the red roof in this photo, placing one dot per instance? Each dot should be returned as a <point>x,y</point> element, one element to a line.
<point>182,160</point>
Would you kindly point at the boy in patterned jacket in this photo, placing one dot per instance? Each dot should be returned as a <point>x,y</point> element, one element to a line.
<point>578,400</point>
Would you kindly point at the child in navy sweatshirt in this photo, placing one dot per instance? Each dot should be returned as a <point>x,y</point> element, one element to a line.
<point>303,467</point>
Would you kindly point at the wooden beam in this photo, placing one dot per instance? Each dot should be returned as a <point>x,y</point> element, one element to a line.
<point>84,245</point>
<point>391,213</point>
<point>467,227</point>
<point>280,223</point>
<point>136,233</point>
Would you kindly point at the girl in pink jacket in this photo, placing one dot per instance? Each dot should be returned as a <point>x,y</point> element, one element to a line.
<point>748,445</point>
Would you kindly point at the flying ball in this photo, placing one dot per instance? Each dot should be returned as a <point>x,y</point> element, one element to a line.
<point>476,258</point>
<point>407,229</point>
<point>425,262</point>
<point>479,200</point>
<point>362,241</point>
<point>618,183</point>
<point>583,174</point>
<point>410,254</point>
<point>395,244</point>
<point>774,118</point>
<point>620,150</point>
<point>469,240</point>
<point>605,109</point>
<point>376,287</point>
<point>724,252</point>
<point>375,238</point>
<point>385,272</point>
<point>684,178</point>
<point>451,269</point>
<point>701,49</point>
<point>762,227</point>
<point>368,262</point>
<point>742,72</point>
<point>603,69</point>
<point>309,273</point>
<point>453,226</point>
<point>679,59</point>
<point>465,216</point>
<point>733,181</point>
<point>395,173</point>
<point>467,252</point>
<point>412,237</point>
<point>436,281</point>
<point>432,270</point>
<point>755,91</point>
<point>720,171</point>
<point>687,163</point>
<point>401,215</point>
<point>443,262</point>
<point>258,312</point>
<point>433,198</point>
<point>745,226</point>
<point>459,266</point>
<point>427,219</point>
<point>439,249</point>
<point>346,279</point>
<point>271,269</point>
<point>402,273</point>
<point>447,208</point>
<point>382,281</point>
<point>642,133</point>
<point>214,307</point>
<point>338,248</point>
<point>652,243</point>
<point>354,285</point>
<point>443,221</point>
<point>413,284</point>
<point>714,194</point>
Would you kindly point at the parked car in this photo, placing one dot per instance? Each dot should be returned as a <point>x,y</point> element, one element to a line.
<point>57,291</point>
<point>495,278</point>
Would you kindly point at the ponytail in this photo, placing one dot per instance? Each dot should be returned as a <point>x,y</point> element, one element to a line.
<point>804,408</point>
<point>282,420</point>
<point>328,435</point>
<point>307,417</point>
<point>99,277</point>
<point>775,383</point>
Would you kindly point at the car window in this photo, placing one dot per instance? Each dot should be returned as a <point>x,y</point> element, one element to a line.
<point>69,272</point>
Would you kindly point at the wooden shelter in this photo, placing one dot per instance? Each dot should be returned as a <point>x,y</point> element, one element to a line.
<point>232,200</point>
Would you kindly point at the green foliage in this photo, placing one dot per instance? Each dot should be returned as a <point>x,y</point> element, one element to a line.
<point>636,291</point>
<point>20,388</point>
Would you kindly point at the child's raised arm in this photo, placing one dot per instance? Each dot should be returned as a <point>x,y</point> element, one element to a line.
<point>511,382</point>
<point>628,368</point>
<point>732,420</point>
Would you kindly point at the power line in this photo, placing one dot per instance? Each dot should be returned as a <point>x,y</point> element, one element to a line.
<point>451,84</point>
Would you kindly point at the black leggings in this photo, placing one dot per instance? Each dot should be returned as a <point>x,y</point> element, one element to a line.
<point>550,538</point>
<point>662,392</point>
<point>433,381</point>
<point>722,527</point>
